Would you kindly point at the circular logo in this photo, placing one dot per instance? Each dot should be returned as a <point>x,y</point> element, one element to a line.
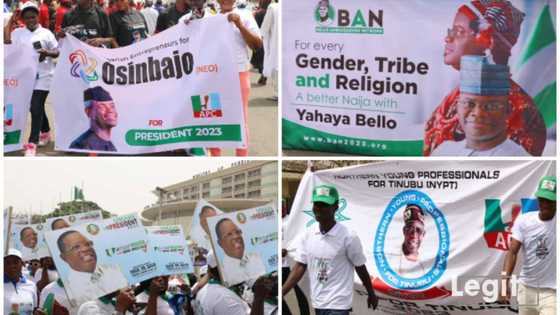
<point>389,275</point>
<point>92,229</point>
<point>72,218</point>
<point>39,227</point>
<point>241,218</point>
<point>324,13</point>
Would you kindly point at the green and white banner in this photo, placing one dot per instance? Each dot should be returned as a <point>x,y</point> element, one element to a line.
<point>435,233</point>
<point>20,69</point>
<point>176,90</point>
<point>382,77</point>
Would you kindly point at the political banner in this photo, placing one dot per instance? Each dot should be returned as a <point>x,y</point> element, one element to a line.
<point>7,224</point>
<point>20,70</point>
<point>199,231</point>
<point>61,222</point>
<point>245,243</point>
<point>435,234</point>
<point>170,249</point>
<point>97,258</point>
<point>172,91</point>
<point>29,240</point>
<point>396,78</point>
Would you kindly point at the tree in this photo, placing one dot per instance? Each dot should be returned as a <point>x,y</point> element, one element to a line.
<point>74,207</point>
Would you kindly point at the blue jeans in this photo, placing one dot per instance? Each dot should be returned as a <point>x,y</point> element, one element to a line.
<point>331,312</point>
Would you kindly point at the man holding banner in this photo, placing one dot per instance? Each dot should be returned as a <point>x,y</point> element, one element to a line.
<point>330,252</point>
<point>535,233</point>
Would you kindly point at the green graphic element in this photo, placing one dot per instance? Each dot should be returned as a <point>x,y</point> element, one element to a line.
<point>296,136</point>
<point>12,137</point>
<point>338,216</point>
<point>350,30</point>
<point>150,137</point>
<point>196,103</point>
<point>493,217</point>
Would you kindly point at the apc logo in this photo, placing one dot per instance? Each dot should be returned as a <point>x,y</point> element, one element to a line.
<point>497,233</point>
<point>206,106</point>
<point>8,115</point>
<point>83,67</point>
<point>331,20</point>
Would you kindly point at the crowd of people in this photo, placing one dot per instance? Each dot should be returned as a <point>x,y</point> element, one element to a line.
<point>120,23</point>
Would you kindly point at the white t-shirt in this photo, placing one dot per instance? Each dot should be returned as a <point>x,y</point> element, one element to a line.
<point>162,306</point>
<point>53,275</point>
<point>59,295</point>
<point>330,260</point>
<point>151,15</point>
<point>20,298</point>
<point>241,50</point>
<point>97,307</point>
<point>45,70</point>
<point>459,148</point>
<point>539,249</point>
<point>249,268</point>
<point>219,300</point>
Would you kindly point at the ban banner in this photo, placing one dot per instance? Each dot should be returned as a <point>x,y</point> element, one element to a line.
<point>73,219</point>
<point>20,70</point>
<point>97,258</point>
<point>245,243</point>
<point>170,249</point>
<point>380,77</point>
<point>171,91</point>
<point>467,210</point>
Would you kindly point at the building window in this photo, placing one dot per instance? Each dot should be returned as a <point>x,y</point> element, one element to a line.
<point>226,190</point>
<point>240,177</point>
<point>239,187</point>
<point>168,215</point>
<point>206,194</point>
<point>254,183</point>
<point>241,195</point>
<point>254,173</point>
<point>226,180</point>
<point>205,186</point>
<point>254,194</point>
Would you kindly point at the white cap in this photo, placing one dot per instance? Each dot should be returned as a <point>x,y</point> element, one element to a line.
<point>29,5</point>
<point>14,252</point>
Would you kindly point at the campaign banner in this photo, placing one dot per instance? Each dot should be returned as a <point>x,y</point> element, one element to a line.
<point>427,229</point>
<point>97,258</point>
<point>199,232</point>
<point>383,77</point>
<point>245,243</point>
<point>61,222</point>
<point>29,240</point>
<point>20,70</point>
<point>170,249</point>
<point>172,91</point>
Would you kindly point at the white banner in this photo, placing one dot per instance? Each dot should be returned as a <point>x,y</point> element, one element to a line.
<point>20,70</point>
<point>468,209</point>
<point>381,77</point>
<point>73,219</point>
<point>176,90</point>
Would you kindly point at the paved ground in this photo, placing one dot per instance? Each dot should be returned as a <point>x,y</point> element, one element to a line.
<point>263,122</point>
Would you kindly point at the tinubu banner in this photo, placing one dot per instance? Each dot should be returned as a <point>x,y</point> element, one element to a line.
<point>28,238</point>
<point>73,219</point>
<point>176,90</point>
<point>20,70</point>
<point>245,243</point>
<point>97,258</point>
<point>170,249</point>
<point>383,77</point>
<point>453,220</point>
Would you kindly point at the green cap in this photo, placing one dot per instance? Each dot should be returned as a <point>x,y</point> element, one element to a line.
<point>325,193</point>
<point>547,188</point>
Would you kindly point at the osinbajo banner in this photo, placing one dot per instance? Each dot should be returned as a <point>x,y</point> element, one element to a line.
<point>381,77</point>
<point>467,210</point>
<point>20,70</point>
<point>176,90</point>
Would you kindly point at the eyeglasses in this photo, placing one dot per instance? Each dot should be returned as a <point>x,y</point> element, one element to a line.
<point>490,107</point>
<point>458,32</point>
<point>78,247</point>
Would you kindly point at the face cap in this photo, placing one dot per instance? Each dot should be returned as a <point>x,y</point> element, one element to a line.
<point>547,188</point>
<point>325,193</point>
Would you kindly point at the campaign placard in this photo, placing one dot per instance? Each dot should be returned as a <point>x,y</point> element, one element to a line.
<point>29,240</point>
<point>245,243</point>
<point>97,258</point>
<point>200,232</point>
<point>194,100</point>
<point>170,248</point>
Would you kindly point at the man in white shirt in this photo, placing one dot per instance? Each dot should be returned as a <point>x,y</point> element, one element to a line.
<point>20,294</point>
<point>238,266</point>
<point>330,253</point>
<point>483,109</point>
<point>150,14</point>
<point>86,278</point>
<point>535,233</point>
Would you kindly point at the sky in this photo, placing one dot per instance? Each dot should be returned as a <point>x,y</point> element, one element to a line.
<point>119,185</point>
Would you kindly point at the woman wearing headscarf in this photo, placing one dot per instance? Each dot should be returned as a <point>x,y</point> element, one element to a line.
<point>486,27</point>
